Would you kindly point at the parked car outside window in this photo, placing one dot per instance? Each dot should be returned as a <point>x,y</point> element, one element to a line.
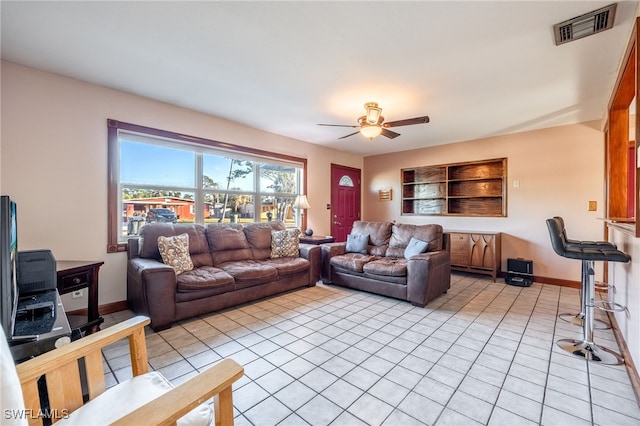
<point>161,215</point>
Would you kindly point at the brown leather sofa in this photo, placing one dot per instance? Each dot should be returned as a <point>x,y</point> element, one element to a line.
<point>382,267</point>
<point>232,265</point>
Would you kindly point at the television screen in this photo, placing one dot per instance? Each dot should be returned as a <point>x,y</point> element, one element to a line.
<point>8,264</point>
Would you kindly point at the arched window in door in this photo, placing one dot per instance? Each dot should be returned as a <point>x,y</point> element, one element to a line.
<point>345,181</point>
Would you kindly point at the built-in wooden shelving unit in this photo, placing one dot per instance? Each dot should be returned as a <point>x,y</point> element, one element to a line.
<point>475,188</point>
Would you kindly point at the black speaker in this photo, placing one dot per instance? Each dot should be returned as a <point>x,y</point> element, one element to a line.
<point>519,272</point>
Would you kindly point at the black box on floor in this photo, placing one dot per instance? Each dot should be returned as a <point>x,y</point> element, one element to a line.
<point>519,272</point>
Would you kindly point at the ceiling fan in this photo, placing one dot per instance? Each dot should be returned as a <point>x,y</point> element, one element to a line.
<point>372,124</point>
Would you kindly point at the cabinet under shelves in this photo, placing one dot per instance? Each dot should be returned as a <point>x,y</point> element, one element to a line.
<point>477,252</point>
<point>467,189</point>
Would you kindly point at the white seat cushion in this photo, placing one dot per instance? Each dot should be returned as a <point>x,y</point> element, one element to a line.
<point>11,401</point>
<point>124,398</point>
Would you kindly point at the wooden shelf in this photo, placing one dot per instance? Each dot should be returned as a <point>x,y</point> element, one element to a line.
<point>475,188</point>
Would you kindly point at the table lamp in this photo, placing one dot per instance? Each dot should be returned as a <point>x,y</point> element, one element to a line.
<point>301,203</point>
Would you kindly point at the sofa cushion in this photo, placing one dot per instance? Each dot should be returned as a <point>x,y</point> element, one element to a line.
<point>379,235</point>
<point>352,261</point>
<point>387,279</point>
<point>227,243</point>
<point>175,252</point>
<point>198,246</point>
<point>402,234</point>
<point>248,273</point>
<point>415,247</point>
<point>387,266</point>
<point>205,278</point>
<point>259,237</point>
<point>287,265</point>
<point>357,243</point>
<point>285,243</point>
<point>129,396</point>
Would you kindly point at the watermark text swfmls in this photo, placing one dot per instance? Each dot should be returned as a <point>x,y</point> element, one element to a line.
<point>9,414</point>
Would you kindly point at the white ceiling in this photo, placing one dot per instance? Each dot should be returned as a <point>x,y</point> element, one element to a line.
<point>477,68</point>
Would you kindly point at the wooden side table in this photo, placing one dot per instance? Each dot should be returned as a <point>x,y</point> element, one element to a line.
<point>316,240</point>
<point>75,275</point>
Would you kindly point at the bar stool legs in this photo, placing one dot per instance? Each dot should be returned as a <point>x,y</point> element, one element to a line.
<point>586,348</point>
<point>578,319</point>
<point>588,253</point>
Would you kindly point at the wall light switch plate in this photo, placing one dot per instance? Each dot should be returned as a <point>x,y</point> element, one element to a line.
<point>593,206</point>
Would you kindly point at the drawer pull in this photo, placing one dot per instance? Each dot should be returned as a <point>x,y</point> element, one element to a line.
<point>77,280</point>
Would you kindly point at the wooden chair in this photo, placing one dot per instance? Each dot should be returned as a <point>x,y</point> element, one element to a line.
<point>162,406</point>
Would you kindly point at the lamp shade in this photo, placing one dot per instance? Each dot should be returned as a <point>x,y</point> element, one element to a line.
<point>301,202</point>
<point>371,131</point>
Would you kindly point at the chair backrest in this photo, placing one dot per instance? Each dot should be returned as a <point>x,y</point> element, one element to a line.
<point>21,395</point>
<point>61,369</point>
<point>560,221</point>
<point>557,236</point>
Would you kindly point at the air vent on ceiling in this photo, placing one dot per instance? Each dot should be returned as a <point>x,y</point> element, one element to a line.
<point>585,25</point>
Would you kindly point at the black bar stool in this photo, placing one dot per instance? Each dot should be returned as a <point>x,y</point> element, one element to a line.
<point>586,347</point>
<point>578,319</point>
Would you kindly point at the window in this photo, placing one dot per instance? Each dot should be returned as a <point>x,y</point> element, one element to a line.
<point>160,176</point>
<point>345,181</point>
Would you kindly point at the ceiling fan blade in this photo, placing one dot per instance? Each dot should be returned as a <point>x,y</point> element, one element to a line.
<point>407,122</point>
<point>351,134</point>
<point>339,125</point>
<point>389,133</point>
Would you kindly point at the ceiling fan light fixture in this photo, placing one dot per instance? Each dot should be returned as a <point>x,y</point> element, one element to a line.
<point>371,131</point>
<point>372,124</point>
<point>373,112</point>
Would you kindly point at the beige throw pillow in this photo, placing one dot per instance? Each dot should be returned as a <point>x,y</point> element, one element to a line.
<point>175,252</point>
<point>285,243</point>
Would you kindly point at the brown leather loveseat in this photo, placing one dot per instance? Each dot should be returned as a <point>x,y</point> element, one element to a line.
<point>232,264</point>
<point>402,261</point>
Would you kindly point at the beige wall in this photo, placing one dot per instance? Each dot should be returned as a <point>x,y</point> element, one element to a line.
<point>626,277</point>
<point>54,162</point>
<point>559,170</point>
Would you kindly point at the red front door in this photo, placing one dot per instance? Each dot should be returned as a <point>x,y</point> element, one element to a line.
<point>345,200</point>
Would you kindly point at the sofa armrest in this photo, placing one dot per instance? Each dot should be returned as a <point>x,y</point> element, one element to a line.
<point>132,248</point>
<point>328,251</point>
<point>428,276</point>
<point>151,290</point>
<point>313,254</point>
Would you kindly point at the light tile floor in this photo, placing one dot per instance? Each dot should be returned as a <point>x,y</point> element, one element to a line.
<point>483,353</point>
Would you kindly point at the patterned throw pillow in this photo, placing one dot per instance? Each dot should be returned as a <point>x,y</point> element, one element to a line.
<point>175,252</point>
<point>285,243</point>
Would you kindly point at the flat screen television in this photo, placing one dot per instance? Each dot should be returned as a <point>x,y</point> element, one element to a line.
<point>8,264</point>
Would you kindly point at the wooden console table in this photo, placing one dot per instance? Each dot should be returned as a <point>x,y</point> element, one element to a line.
<point>475,251</point>
<point>75,275</point>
